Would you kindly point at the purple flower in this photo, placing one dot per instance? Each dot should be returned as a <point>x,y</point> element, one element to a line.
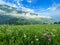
<point>46,35</point>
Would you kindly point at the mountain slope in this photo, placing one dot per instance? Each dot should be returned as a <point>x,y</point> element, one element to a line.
<point>11,15</point>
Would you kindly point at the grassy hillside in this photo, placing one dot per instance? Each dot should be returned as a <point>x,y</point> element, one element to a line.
<point>30,34</point>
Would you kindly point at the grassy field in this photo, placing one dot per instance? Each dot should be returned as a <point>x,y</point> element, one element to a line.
<point>30,34</point>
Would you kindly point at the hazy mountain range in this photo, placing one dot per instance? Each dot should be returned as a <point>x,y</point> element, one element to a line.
<point>10,13</point>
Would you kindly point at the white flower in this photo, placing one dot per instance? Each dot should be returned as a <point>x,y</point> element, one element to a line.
<point>37,39</point>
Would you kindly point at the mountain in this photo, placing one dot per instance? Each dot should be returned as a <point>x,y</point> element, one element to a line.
<point>12,15</point>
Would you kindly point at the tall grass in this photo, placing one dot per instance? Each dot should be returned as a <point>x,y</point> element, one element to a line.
<point>30,34</point>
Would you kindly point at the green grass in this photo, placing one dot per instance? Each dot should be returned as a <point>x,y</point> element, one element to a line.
<point>30,34</point>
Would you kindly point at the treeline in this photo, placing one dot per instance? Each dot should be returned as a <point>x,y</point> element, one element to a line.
<point>57,22</point>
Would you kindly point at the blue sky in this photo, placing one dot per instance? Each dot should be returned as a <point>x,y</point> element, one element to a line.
<point>42,7</point>
<point>35,4</point>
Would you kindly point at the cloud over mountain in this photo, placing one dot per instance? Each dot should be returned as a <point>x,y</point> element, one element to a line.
<point>13,9</point>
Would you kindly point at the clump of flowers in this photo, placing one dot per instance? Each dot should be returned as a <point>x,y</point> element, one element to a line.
<point>48,36</point>
<point>36,38</point>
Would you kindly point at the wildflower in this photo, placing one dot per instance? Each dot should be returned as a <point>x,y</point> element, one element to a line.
<point>47,35</point>
<point>37,39</point>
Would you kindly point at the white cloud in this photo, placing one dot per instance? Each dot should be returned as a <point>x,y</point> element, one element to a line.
<point>19,5</point>
<point>29,1</point>
<point>27,10</point>
<point>54,7</point>
<point>28,15</point>
<point>2,2</point>
<point>46,12</point>
<point>14,13</point>
<point>1,11</point>
<point>53,10</point>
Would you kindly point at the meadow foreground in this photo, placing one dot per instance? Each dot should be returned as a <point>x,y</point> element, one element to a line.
<point>30,34</point>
